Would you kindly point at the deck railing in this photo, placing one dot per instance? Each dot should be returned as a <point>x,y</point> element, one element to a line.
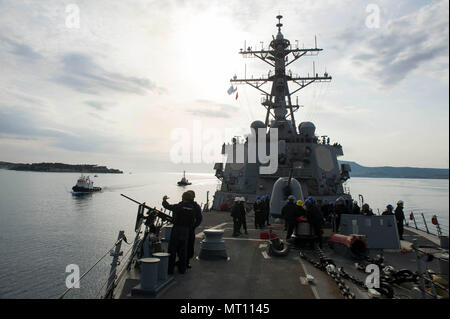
<point>427,222</point>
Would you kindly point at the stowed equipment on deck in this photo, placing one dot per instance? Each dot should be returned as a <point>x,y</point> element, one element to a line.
<point>146,246</point>
<point>154,220</point>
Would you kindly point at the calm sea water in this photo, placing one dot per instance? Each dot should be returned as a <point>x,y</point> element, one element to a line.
<point>43,228</point>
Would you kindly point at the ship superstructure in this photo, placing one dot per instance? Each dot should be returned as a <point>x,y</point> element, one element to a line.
<point>310,159</point>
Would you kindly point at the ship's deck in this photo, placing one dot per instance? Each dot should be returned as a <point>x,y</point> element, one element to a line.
<point>251,273</point>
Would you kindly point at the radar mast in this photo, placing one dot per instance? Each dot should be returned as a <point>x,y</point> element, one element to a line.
<point>278,102</point>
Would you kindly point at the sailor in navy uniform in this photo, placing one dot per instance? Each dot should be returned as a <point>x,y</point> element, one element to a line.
<point>183,223</point>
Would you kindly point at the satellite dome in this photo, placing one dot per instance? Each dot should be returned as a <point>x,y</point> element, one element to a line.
<point>256,125</point>
<point>307,128</point>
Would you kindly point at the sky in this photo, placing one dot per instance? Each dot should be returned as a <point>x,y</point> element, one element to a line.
<point>110,82</point>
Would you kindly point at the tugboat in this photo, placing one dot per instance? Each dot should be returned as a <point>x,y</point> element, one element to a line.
<point>184,181</point>
<point>85,185</point>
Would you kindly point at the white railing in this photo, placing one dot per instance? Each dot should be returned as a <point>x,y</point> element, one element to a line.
<point>427,222</point>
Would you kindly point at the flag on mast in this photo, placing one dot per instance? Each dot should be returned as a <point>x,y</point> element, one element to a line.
<point>231,90</point>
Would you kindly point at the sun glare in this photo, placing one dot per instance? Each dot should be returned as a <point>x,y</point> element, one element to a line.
<point>208,47</point>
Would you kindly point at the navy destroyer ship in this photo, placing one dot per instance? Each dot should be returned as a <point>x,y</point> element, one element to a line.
<point>261,264</point>
<point>303,156</point>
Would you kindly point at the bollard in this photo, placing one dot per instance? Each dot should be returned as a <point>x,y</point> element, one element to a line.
<point>163,265</point>
<point>149,273</point>
<point>213,246</point>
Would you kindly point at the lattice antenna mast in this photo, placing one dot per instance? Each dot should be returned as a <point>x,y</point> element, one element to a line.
<point>278,101</point>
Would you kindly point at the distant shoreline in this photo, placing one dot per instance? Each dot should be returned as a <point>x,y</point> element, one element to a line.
<point>396,172</point>
<point>356,170</point>
<point>59,168</point>
<point>399,177</point>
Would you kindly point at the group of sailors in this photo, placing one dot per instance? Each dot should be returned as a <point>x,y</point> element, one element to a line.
<point>309,211</point>
<point>317,213</point>
<point>187,216</point>
<point>261,208</point>
<point>399,216</point>
<point>342,206</point>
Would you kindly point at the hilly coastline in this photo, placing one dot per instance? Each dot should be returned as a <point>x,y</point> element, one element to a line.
<point>59,167</point>
<point>396,172</point>
<point>357,170</point>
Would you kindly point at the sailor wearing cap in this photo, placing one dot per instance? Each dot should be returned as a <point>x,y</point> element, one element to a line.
<point>258,208</point>
<point>290,212</point>
<point>400,218</point>
<point>388,211</point>
<point>184,220</point>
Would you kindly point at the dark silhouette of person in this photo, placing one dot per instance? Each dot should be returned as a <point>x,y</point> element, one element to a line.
<point>388,210</point>
<point>258,208</point>
<point>198,221</point>
<point>183,222</point>
<point>290,213</point>
<point>400,218</point>
<point>339,210</point>
<point>315,219</point>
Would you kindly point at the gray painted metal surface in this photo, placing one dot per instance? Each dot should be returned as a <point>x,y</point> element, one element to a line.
<point>278,200</point>
<point>381,231</point>
<point>213,245</point>
<point>149,274</point>
<point>311,159</point>
<point>163,265</point>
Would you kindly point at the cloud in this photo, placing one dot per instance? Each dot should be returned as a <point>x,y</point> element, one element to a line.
<point>213,109</point>
<point>389,54</point>
<point>343,110</point>
<point>95,105</point>
<point>210,113</point>
<point>125,54</point>
<point>20,49</point>
<point>16,123</point>
<point>99,106</point>
<point>81,73</point>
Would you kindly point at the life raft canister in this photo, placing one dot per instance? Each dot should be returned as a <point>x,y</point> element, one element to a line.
<point>434,220</point>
